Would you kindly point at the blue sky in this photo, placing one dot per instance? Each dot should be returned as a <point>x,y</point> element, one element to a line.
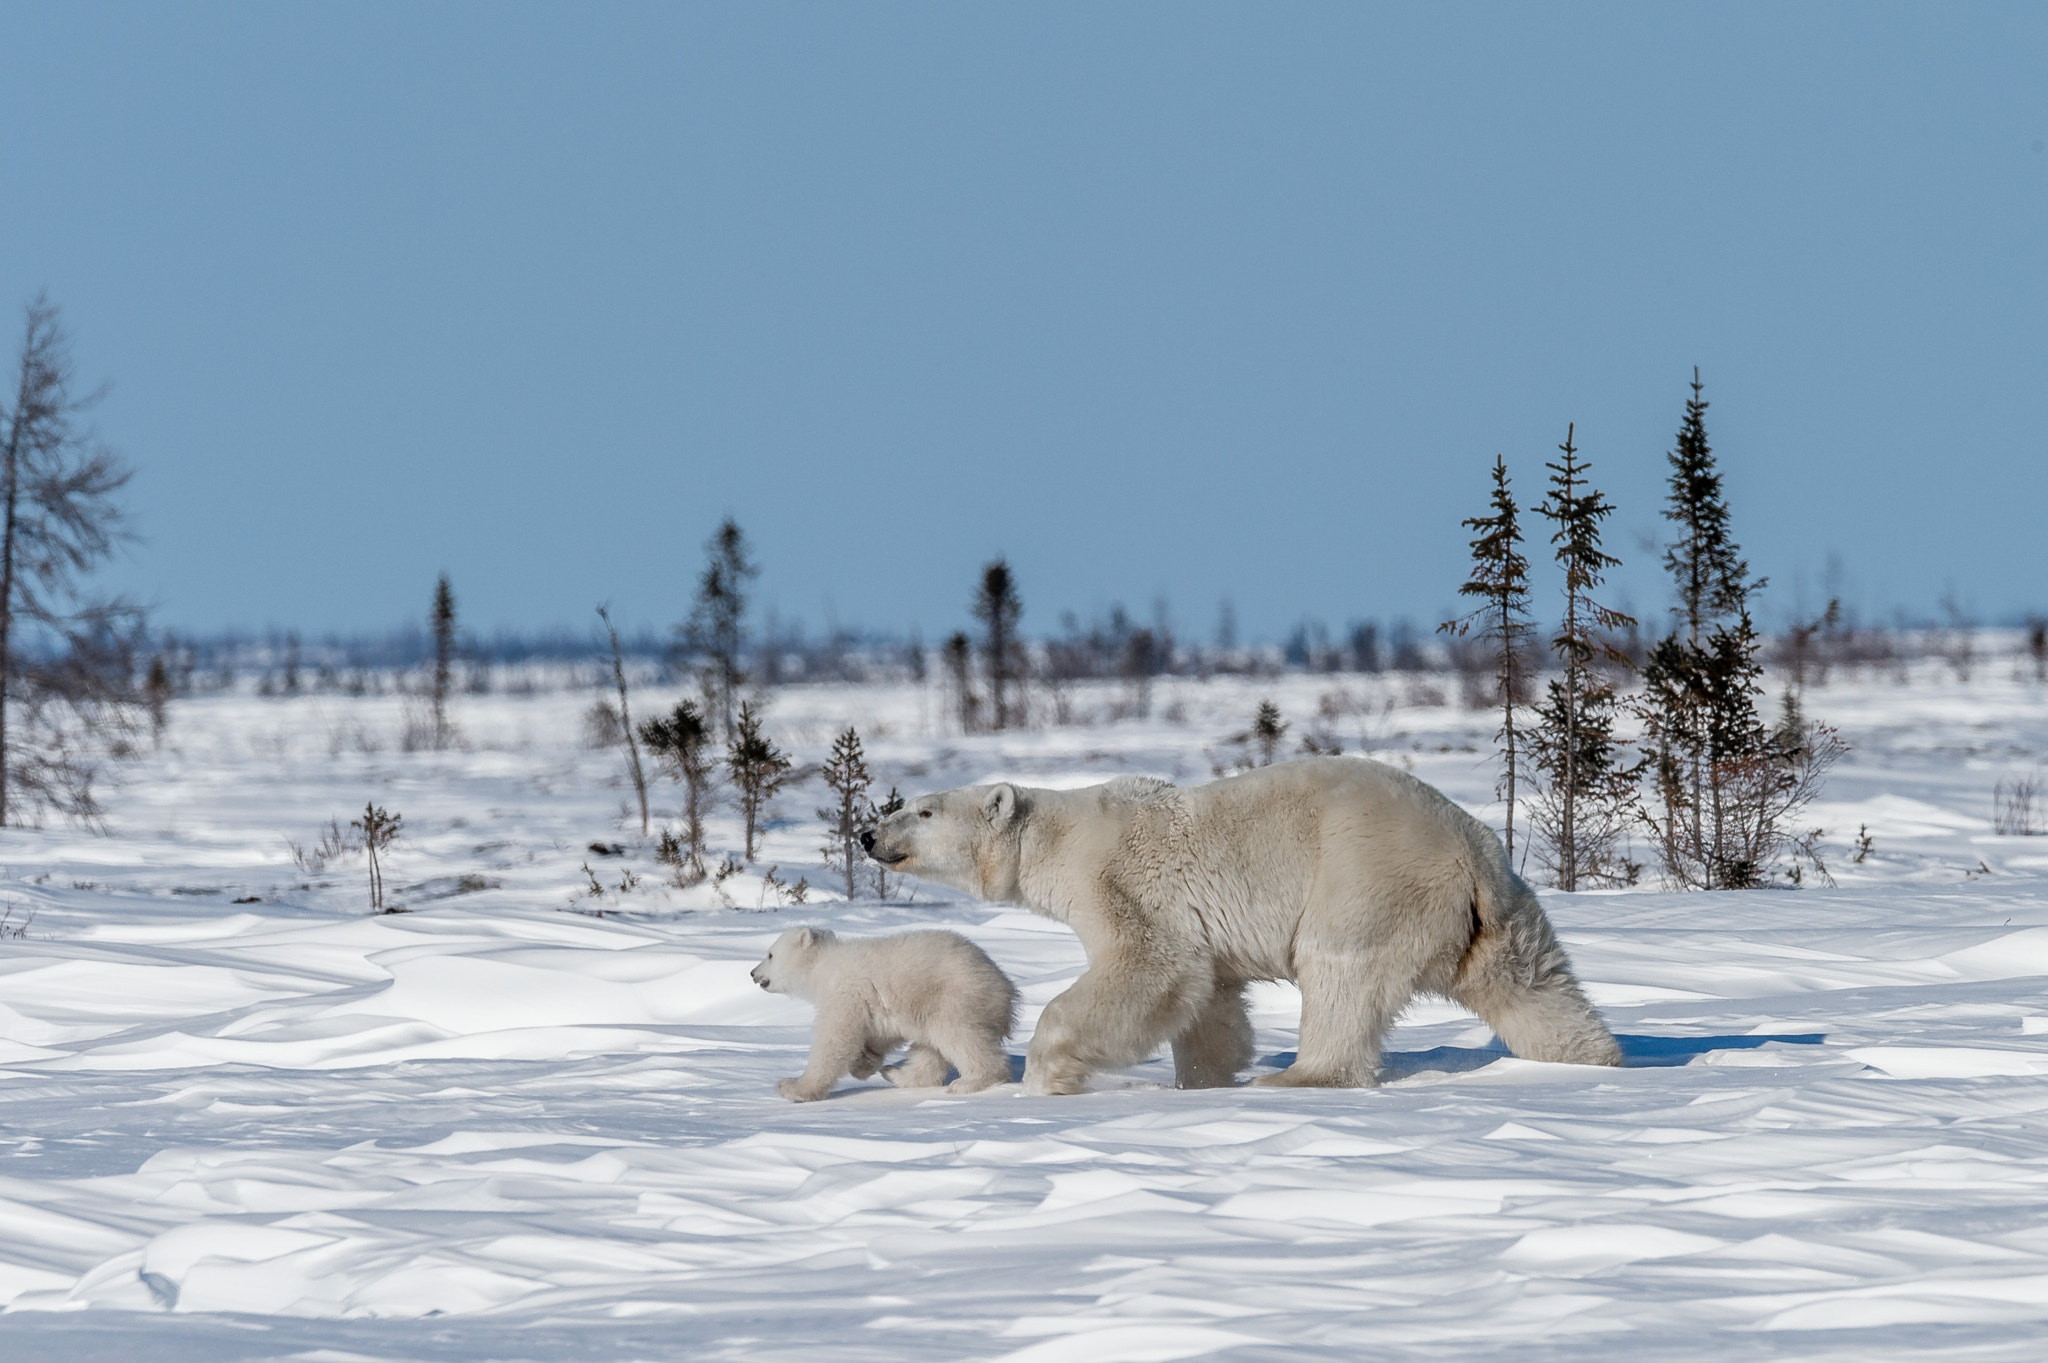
<point>1181,300</point>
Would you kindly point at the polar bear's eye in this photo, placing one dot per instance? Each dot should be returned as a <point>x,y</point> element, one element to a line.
<point>924,813</point>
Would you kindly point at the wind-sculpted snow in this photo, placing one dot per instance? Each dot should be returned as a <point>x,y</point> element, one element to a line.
<point>489,1128</point>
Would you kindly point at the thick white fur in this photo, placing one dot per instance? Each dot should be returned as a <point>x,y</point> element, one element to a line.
<point>1357,881</point>
<point>936,990</point>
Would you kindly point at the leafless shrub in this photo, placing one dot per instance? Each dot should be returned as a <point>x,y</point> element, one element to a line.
<point>334,842</point>
<point>1957,643</point>
<point>602,727</point>
<point>2012,807</point>
<point>416,728</point>
<point>11,930</point>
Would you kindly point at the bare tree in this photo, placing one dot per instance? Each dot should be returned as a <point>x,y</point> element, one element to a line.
<point>633,767</point>
<point>66,692</point>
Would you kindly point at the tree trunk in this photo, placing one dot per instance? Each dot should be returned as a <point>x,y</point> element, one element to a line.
<point>10,491</point>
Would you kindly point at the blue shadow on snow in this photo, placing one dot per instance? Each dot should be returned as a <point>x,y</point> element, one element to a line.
<point>1637,1052</point>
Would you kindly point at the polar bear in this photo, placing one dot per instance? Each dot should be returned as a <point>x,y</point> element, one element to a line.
<point>1355,880</point>
<point>936,990</point>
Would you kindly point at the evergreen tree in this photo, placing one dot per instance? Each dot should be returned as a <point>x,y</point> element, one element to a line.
<point>716,630</point>
<point>1267,731</point>
<point>1724,784</point>
<point>681,742</point>
<point>379,829</point>
<point>847,777</point>
<point>442,618</point>
<point>757,767</point>
<point>874,815</point>
<point>1583,808</point>
<point>156,694</point>
<point>1500,578</point>
<point>998,608</point>
<point>958,654</point>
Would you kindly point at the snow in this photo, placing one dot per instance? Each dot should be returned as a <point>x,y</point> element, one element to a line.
<point>501,1126</point>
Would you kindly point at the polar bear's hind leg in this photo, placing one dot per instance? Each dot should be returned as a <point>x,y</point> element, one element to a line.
<point>1217,1044</point>
<point>923,1068</point>
<point>1517,978</point>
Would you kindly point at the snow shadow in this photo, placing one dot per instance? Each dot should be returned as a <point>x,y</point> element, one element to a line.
<point>1642,1052</point>
<point>1637,1052</point>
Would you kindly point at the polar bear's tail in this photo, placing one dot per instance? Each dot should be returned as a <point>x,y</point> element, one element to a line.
<point>1516,975</point>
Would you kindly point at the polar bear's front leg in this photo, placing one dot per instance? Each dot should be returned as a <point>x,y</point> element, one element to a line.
<point>1107,1018</point>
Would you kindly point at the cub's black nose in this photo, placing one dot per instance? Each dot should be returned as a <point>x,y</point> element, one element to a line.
<point>867,842</point>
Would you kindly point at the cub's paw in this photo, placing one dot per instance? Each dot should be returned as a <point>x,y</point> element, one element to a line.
<point>965,1085</point>
<point>794,1090</point>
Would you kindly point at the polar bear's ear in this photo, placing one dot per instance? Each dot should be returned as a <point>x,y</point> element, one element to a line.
<point>1000,807</point>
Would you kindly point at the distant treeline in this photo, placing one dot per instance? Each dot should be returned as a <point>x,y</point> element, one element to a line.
<point>1114,648</point>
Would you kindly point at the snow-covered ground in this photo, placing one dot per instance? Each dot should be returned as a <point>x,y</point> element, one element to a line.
<point>502,1126</point>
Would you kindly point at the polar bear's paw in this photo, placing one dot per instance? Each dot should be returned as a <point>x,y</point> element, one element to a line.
<point>1041,1083</point>
<point>1295,1077</point>
<point>794,1090</point>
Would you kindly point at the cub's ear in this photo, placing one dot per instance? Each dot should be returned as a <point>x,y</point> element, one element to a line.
<point>1000,808</point>
<point>808,937</point>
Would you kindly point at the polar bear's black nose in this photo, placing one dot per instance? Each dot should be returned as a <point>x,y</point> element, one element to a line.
<point>867,840</point>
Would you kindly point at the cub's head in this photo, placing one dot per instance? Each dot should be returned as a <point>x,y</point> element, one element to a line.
<point>967,839</point>
<point>787,966</point>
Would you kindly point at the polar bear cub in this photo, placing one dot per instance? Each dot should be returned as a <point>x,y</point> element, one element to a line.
<point>936,990</point>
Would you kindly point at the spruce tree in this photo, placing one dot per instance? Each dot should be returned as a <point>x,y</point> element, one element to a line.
<point>442,618</point>
<point>873,815</point>
<point>716,630</point>
<point>846,775</point>
<point>958,656</point>
<point>156,694</point>
<point>1268,729</point>
<point>757,767</point>
<point>1582,811</point>
<point>1500,578</point>
<point>1724,784</point>
<point>681,742</point>
<point>998,608</point>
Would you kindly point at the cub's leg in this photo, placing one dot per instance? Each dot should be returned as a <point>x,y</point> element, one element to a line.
<point>923,1068</point>
<point>872,1057</point>
<point>839,1040</point>
<point>977,1054</point>
<point>1111,1016</point>
<point>1216,1044</point>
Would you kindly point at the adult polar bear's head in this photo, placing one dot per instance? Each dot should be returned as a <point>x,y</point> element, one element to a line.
<point>967,839</point>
